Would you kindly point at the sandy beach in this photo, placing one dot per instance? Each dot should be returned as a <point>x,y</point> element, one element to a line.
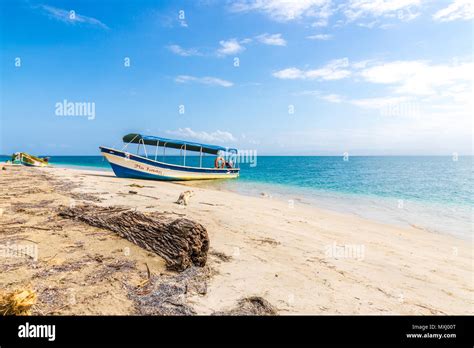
<point>301,259</point>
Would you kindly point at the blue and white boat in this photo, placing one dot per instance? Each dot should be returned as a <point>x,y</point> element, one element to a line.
<point>128,165</point>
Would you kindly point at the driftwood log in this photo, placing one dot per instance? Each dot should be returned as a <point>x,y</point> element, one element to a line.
<point>182,242</point>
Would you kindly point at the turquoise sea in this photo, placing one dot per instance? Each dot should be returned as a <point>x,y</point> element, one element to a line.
<point>436,193</point>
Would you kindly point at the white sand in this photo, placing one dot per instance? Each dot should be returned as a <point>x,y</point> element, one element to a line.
<point>288,256</point>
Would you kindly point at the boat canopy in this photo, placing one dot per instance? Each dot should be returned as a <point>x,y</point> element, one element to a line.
<point>175,144</point>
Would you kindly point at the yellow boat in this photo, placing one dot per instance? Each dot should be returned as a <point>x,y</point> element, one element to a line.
<point>29,160</point>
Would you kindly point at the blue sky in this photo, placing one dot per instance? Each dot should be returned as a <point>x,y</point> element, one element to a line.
<point>314,77</point>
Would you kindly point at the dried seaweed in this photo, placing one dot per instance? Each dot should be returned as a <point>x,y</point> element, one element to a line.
<point>109,269</point>
<point>85,197</point>
<point>18,302</point>
<point>166,294</point>
<point>254,305</point>
<point>220,255</point>
<point>64,267</point>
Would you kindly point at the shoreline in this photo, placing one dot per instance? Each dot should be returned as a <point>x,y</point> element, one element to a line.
<point>301,259</point>
<point>429,216</point>
<point>385,210</point>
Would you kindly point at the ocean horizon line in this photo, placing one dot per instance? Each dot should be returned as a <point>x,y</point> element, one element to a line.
<point>277,155</point>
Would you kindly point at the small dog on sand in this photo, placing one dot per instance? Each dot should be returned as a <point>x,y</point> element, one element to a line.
<point>184,197</point>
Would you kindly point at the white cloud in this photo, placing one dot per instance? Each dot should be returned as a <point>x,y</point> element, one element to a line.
<point>206,80</point>
<point>323,37</point>
<point>369,25</point>
<point>432,92</point>
<point>335,70</point>
<point>232,46</point>
<point>367,13</point>
<point>323,15</point>
<point>362,63</point>
<point>423,80</point>
<point>284,10</point>
<point>402,9</point>
<point>217,136</point>
<point>69,16</point>
<point>378,103</point>
<point>366,103</point>
<point>176,49</point>
<point>289,74</point>
<point>419,77</point>
<point>461,93</point>
<point>332,98</point>
<point>316,93</point>
<point>271,39</point>
<point>458,9</point>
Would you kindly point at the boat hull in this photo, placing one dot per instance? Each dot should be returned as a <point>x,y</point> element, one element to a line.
<point>30,161</point>
<point>126,165</point>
